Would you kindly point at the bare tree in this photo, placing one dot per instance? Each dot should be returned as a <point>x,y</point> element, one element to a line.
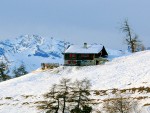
<point>131,39</point>
<point>53,97</point>
<point>120,105</point>
<point>52,103</point>
<point>57,97</point>
<point>67,97</point>
<point>81,92</point>
<point>63,88</point>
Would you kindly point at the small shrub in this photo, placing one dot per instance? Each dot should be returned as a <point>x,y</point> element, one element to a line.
<point>87,109</point>
<point>27,96</point>
<point>97,92</point>
<point>114,91</point>
<point>25,103</point>
<point>147,89</point>
<point>141,89</point>
<point>133,90</point>
<point>123,91</point>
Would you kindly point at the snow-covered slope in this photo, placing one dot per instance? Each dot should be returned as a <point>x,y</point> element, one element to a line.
<point>32,50</point>
<point>20,95</point>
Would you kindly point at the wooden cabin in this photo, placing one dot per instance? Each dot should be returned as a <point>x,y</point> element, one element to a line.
<point>85,55</point>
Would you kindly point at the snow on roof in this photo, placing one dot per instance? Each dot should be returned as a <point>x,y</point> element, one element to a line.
<point>96,48</point>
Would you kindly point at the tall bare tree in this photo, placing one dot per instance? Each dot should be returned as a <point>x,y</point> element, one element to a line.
<point>131,39</point>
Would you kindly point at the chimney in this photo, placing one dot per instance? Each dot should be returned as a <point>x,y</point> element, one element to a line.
<point>85,45</point>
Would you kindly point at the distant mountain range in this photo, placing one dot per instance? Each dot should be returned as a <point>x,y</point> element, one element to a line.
<point>31,50</point>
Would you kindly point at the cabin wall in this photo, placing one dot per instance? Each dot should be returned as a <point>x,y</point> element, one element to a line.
<point>73,59</point>
<point>79,57</point>
<point>79,62</point>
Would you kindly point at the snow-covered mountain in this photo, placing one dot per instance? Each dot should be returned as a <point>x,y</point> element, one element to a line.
<point>32,50</point>
<point>128,75</point>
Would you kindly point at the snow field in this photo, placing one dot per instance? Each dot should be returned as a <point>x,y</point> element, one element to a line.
<point>121,73</point>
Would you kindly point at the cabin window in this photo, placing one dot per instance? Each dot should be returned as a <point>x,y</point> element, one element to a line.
<point>72,55</point>
<point>85,55</point>
<point>93,56</point>
<point>72,62</point>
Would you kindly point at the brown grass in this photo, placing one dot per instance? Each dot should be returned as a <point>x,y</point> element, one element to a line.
<point>141,97</point>
<point>26,96</point>
<point>148,104</point>
<point>8,98</point>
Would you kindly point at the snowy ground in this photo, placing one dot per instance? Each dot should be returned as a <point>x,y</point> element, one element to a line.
<point>20,95</point>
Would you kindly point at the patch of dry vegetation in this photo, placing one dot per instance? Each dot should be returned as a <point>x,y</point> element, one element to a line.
<point>148,104</point>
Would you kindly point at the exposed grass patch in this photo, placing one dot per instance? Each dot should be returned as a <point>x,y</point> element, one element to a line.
<point>26,96</point>
<point>8,98</point>
<point>148,104</point>
<point>114,91</point>
<point>25,103</point>
<point>112,99</point>
<point>40,102</point>
<point>100,92</point>
<point>141,97</point>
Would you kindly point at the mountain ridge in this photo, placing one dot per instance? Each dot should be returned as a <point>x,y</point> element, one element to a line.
<point>31,50</point>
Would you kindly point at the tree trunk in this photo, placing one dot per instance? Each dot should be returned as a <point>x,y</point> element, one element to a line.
<point>57,106</point>
<point>120,105</point>
<point>131,41</point>
<point>64,106</point>
<point>79,100</point>
<point>132,46</point>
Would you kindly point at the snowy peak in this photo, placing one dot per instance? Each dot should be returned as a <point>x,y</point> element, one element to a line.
<point>32,50</point>
<point>32,43</point>
<point>28,41</point>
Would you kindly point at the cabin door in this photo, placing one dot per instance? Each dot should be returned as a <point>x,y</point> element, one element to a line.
<point>97,62</point>
<point>79,63</point>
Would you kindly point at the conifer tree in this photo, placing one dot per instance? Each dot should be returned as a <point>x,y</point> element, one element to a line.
<point>21,70</point>
<point>4,71</point>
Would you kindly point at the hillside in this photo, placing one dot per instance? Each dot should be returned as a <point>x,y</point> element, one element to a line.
<point>20,95</point>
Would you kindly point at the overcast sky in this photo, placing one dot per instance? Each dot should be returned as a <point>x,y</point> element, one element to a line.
<point>77,21</point>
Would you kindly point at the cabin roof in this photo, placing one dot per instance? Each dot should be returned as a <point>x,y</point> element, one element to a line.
<point>94,49</point>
